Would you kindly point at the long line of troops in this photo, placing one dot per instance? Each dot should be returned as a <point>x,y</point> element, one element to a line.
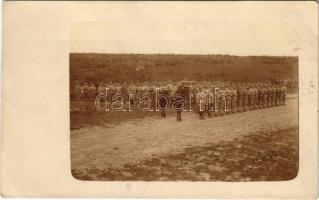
<point>229,97</point>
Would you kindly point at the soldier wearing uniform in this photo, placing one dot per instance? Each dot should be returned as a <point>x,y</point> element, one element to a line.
<point>211,103</point>
<point>124,91</point>
<point>178,104</point>
<point>281,97</point>
<point>222,101</point>
<point>201,104</point>
<point>269,96</point>
<point>77,91</point>
<point>246,96</point>
<point>273,96</point>
<point>265,97</point>
<point>85,91</point>
<point>101,90</point>
<point>228,101</point>
<point>284,89</point>
<point>92,92</point>
<point>233,93</point>
<point>131,93</point>
<point>277,96</point>
<point>217,102</point>
<point>256,99</point>
<point>240,99</point>
<point>251,98</point>
<point>163,102</point>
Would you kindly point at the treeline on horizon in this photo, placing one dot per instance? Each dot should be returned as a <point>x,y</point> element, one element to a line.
<point>92,67</point>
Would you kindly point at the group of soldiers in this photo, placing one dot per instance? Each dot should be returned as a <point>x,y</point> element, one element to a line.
<point>214,98</point>
<point>87,92</point>
<point>234,98</point>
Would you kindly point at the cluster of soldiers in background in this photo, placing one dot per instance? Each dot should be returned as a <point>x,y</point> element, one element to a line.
<point>229,97</point>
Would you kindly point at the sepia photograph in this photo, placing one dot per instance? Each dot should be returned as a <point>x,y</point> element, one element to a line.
<point>160,99</point>
<point>180,116</point>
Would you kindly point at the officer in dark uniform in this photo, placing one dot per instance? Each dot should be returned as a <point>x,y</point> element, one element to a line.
<point>178,103</point>
<point>163,102</point>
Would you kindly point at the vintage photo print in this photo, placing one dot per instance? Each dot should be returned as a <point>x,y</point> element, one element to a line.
<point>190,113</point>
<point>144,99</point>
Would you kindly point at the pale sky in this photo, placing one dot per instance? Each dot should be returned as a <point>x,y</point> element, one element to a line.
<point>191,33</point>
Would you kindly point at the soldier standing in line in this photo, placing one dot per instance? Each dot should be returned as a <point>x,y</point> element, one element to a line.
<point>240,98</point>
<point>277,95</point>
<point>92,92</point>
<point>228,108</point>
<point>101,90</point>
<point>245,104</point>
<point>112,90</point>
<point>269,96</point>
<point>85,92</point>
<point>284,89</point>
<point>217,101</point>
<point>251,98</point>
<point>256,106</point>
<point>118,89</point>
<point>77,91</point>
<point>265,98</point>
<point>211,102</point>
<point>273,95</point>
<point>131,93</point>
<point>259,96</point>
<point>153,92</point>
<point>233,93</point>
<point>222,101</point>
<point>124,91</point>
<point>200,100</point>
<point>281,96</point>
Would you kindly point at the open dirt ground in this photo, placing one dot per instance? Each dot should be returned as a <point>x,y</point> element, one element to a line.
<point>257,145</point>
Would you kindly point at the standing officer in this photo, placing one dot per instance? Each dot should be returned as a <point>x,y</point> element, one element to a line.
<point>163,102</point>
<point>178,103</point>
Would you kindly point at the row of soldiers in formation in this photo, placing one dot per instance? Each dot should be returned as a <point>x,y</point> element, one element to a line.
<point>227,97</point>
<point>88,92</point>
<point>240,98</point>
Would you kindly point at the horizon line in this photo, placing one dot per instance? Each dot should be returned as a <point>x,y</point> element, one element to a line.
<point>265,55</point>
